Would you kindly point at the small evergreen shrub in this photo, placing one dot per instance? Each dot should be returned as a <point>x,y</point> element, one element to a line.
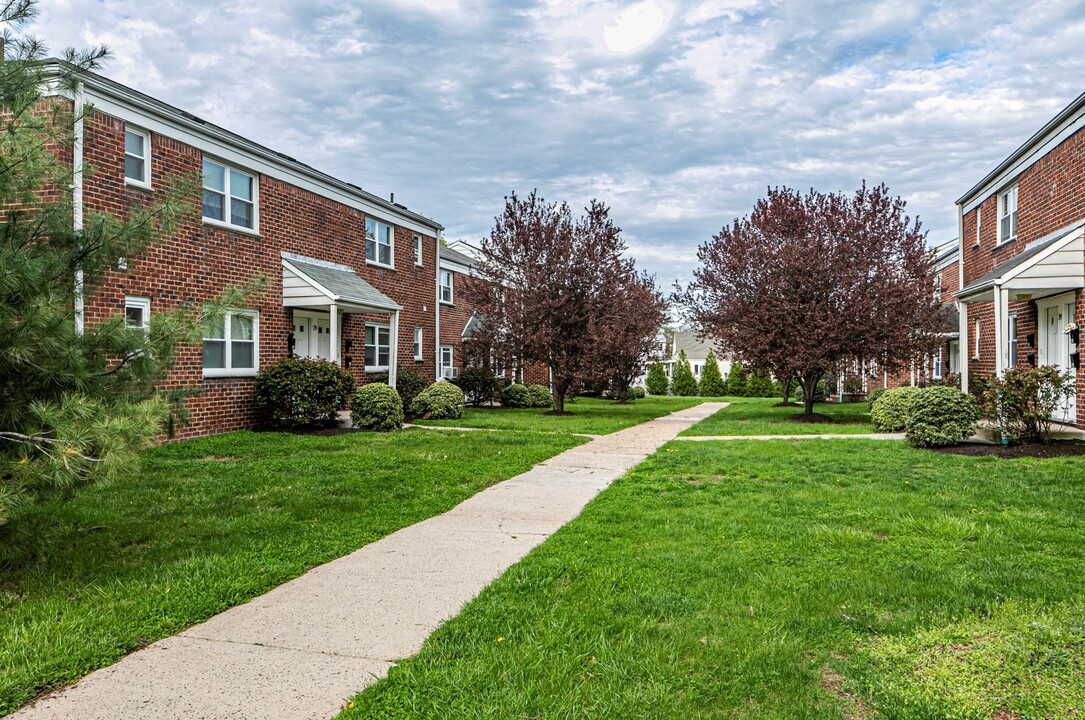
<point>440,401</point>
<point>656,382</point>
<point>409,383</point>
<point>378,407</point>
<point>889,413</point>
<point>539,396</point>
<point>736,381</point>
<point>516,396</point>
<point>1024,400</point>
<point>684,384</point>
<point>303,392</point>
<point>821,391</point>
<point>760,384</point>
<point>636,393</point>
<point>874,395</point>
<point>940,416</point>
<point>478,384</point>
<point>853,386</point>
<point>712,384</point>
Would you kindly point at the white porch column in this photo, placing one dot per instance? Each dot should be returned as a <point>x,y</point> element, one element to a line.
<point>1000,330</point>
<point>962,345</point>
<point>333,328</point>
<point>393,349</point>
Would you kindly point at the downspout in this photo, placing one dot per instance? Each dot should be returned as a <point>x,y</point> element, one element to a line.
<point>962,307</point>
<point>437,308</point>
<point>77,199</point>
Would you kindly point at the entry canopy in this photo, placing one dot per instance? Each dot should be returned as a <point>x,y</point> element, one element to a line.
<point>1052,265</point>
<point>308,282</point>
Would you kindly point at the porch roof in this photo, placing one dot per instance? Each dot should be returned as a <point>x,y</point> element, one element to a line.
<point>1053,264</point>
<point>310,282</point>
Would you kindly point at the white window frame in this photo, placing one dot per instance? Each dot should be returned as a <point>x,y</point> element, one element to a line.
<point>418,250</point>
<point>377,327</point>
<point>418,355</point>
<point>145,183</point>
<point>976,355</point>
<point>937,370</point>
<point>442,364</point>
<point>443,287</point>
<point>1005,213</point>
<point>229,370</point>
<point>1011,340</point>
<point>144,305</point>
<point>228,198</point>
<point>979,224</point>
<point>377,225</point>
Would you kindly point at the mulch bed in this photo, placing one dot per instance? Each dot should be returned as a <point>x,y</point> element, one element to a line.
<point>1057,448</point>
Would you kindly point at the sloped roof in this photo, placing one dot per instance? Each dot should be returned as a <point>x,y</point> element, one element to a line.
<point>455,256</point>
<point>695,349</point>
<point>341,281</point>
<point>1034,249</point>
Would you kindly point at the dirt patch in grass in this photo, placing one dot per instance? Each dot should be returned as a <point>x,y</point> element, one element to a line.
<point>853,706</point>
<point>1059,448</point>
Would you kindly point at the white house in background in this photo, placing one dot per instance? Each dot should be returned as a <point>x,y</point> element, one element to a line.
<point>696,352</point>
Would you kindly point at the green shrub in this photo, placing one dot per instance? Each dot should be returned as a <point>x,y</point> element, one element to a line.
<point>760,384</point>
<point>1024,400</point>
<point>303,392</point>
<point>539,396</point>
<point>409,383</point>
<point>712,384</point>
<point>516,396</point>
<point>440,401</point>
<point>656,382</point>
<point>478,384</point>
<point>821,391</point>
<point>940,416</point>
<point>376,406</point>
<point>889,413</point>
<point>636,393</point>
<point>736,381</point>
<point>874,395</point>
<point>853,386</point>
<point>684,384</point>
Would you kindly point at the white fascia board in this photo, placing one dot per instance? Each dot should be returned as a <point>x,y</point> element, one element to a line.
<point>1040,257</point>
<point>218,144</point>
<point>332,297</point>
<point>457,267</point>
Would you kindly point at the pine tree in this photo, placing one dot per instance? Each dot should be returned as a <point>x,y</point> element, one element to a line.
<point>656,382</point>
<point>736,381</point>
<point>684,383</point>
<point>712,384</point>
<point>759,384</point>
<point>77,403</point>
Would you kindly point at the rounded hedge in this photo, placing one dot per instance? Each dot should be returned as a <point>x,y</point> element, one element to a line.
<point>539,396</point>
<point>874,395</point>
<point>516,396</point>
<point>302,392</point>
<point>636,393</point>
<point>941,416</point>
<point>440,401</point>
<point>889,413</point>
<point>377,406</point>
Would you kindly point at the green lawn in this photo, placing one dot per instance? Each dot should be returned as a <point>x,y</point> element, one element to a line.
<point>211,523</point>
<point>590,416</point>
<point>820,579</point>
<point>757,416</point>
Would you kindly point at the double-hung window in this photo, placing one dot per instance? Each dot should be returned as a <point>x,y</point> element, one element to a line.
<point>229,195</point>
<point>446,286</point>
<point>1007,216</point>
<point>378,347</point>
<point>378,242</point>
<point>230,344</point>
<point>418,250</point>
<point>137,157</point>
<point>1011,342</point>
<point>418,343</point>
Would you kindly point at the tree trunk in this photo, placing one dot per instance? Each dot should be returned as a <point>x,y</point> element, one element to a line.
<point>558,391</point>
<point>787,390</point>
<point>809,387</point>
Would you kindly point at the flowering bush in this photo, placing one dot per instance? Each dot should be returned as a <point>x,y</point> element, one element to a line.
<point>1023,400</point>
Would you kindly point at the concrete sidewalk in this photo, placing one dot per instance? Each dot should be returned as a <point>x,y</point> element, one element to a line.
<point>826,436</point>
<point>300,650</point>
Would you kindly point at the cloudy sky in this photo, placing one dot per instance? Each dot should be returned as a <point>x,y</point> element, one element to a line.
<point>676,114</point>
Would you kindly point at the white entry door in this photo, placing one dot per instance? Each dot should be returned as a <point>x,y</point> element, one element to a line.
<point>312,337</point>
<point>1056,348</point>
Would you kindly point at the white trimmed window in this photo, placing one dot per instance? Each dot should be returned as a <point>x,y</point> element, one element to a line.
<point>976,355</point>
<point>137,157</point>
<point>378,347</point>
<point>1007,216</point>
<point>418,250</point>
<point>938,362</point>
<point>231,344</point>
<point>447,362</point>
<point>229,196</point>
<point>446,287</point>
<point>1011,341</point>
<point>137,312</point>
<point>418,343</point>
<point>378,243</point>
<point>979,224</point>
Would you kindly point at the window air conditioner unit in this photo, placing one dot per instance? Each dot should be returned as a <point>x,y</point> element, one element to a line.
<point>449,373</point>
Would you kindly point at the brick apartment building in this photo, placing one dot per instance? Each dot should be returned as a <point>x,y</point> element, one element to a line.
<point>351,277</point>
<point>1022,254</point>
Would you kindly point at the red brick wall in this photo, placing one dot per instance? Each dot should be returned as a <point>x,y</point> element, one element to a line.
<point>199,260</point>
<point>1050,196</point>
